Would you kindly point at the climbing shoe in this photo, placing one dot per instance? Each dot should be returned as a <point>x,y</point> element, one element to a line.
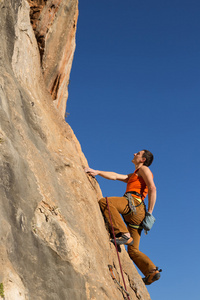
<point>123,240</point>
<point>152,276</point>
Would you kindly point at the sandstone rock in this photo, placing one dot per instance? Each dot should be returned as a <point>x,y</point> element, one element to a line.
<point>54,23</point>
<point>53,240</point>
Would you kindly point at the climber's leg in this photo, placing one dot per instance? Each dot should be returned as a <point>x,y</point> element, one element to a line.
<point>139,258</point>
<point>117,205</point>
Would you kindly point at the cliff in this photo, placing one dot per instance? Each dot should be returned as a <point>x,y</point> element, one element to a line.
<point>53,240</point>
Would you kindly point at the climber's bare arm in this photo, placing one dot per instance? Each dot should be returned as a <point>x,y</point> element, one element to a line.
<point>107,175</point>
<point>148,178</point>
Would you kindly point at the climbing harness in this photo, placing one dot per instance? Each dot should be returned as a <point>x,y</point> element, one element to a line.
<point>132,207</point>
<point>134,193</point>
<point>134,226</point>
<point>130,198</point>
<point>117,250</point>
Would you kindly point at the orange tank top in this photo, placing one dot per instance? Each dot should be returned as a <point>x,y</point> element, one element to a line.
<point>136,183</point>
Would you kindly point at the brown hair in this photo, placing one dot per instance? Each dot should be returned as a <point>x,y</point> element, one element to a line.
<point>149,158</point>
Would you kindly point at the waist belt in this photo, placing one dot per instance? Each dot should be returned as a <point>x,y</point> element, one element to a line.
<point>134,193</point>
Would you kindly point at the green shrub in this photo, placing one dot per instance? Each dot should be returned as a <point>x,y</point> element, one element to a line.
<point>1,290</point>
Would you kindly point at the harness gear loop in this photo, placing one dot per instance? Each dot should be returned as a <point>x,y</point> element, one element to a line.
<point>116,248</point>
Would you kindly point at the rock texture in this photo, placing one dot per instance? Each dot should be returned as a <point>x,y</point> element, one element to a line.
<point>49,207</point>
<point>54,24</point>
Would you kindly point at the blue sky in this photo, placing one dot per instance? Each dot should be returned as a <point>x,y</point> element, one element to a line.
<point>135,84</point>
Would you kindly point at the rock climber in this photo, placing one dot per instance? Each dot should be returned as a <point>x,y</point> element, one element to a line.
<point>131,206</point>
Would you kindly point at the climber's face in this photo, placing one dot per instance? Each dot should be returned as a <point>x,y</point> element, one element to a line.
<point>138,157</point>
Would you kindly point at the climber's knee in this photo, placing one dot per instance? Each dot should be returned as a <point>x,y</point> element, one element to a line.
<point>102,203</point>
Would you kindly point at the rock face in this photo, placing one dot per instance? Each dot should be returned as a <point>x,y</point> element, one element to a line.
<point>54,24</point>
<point>49,207</point>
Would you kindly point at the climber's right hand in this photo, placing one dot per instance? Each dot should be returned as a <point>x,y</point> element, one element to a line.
<point>91,172</point>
